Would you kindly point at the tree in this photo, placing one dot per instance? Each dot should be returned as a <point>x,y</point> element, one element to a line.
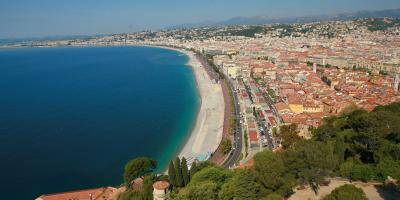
<point>310,162</point>
<point>203,191</point>
<point>131,195</point>
<point>274,131</point>
<point>145,193</point>
<point>185,172</point>
<point>242,185</point>
<point>363,172</point>
<point>226,146</point>
<point>289,135</point>
<point>347,192</point>
<point>178,173</point>
<point>389,167</point>
<point>270,170</point>
<point>138,167</point>
<point>148,186</point>
<point>171,173</point>
<point>273,196</point>
<point>213,174</point>
<point>193,169</point>
<point>346,169</point>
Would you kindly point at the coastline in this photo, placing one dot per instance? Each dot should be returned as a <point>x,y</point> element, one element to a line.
<point>206,134</point>
<point>207,131</point>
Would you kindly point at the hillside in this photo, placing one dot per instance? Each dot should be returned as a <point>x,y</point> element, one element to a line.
<point>357,146</point>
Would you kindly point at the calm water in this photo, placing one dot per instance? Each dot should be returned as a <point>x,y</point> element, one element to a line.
<point>70,118</point>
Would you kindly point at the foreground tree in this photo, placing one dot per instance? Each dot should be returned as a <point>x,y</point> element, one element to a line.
<point>243,185</point>
<point>145,193</point>
<point>273,196</point>
<point>205,184</point>
<point>271,172</point>
<point>178,173</point>
<point>346,192</point>
<point>289,135</point>
<point>215,175</point>
<point>171,173</point>
<point>310,162</point>
<point>205,190</point>
<point>185,172</point>
<point>193,169</point>
<point>138,167</point>
<point>226,146</point>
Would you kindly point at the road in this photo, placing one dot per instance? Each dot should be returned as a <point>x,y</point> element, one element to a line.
<point>238,138</point>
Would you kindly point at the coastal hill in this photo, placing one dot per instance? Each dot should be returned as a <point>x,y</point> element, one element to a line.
<point>257,20</point>
<point>353,156</point>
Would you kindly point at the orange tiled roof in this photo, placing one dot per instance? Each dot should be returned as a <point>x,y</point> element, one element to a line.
<point>98,193</point>
<point>161,185</point>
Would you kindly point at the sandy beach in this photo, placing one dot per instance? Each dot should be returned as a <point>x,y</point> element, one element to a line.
<point>207,132</point>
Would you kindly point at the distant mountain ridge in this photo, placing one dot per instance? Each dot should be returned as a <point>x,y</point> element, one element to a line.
<point>257,20</point>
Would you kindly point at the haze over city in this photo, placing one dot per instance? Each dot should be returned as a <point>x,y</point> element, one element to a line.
<point>25,18</point>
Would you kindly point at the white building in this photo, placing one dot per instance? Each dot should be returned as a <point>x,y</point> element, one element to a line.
<point>160,190</point>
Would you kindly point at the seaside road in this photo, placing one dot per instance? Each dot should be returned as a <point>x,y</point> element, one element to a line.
<point>238,139</point>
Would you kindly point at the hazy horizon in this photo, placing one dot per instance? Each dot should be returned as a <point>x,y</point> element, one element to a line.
<point>46,18</point>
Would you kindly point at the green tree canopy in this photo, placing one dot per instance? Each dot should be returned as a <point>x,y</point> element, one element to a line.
<point>226,146</point>
<point>272,173</point>
<point>310,162</point>
<point>203,191</point>
<point>242,185</point>
<point>215,175</point>
<point>178,173</point>
<point>138,167</point>
<point>346,192</point>
<point>171,173</point>
<point>146,192</point>
<point>185,172</point>
<point>289,135</point>
<point>273,196</point>
<point>193,169</point>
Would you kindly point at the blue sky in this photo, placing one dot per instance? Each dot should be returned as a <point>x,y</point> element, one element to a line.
<point>38,18</point>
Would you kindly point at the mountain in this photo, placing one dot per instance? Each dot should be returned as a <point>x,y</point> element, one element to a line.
<point>394,13</point>
<point>192,25</point>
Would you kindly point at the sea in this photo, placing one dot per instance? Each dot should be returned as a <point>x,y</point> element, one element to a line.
<point>72,117</point>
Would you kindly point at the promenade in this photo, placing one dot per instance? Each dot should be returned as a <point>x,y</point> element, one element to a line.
<point>207,132</point>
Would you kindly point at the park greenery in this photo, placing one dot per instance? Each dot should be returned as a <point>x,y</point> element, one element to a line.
<point>178,172</point>
<point>226,146</point>
<point>143,168</point>
<point>249,31</point>
<point>381,24</point>
<point>357,145</point>
<point>271,94</point>
<point>138,167</point>
<point>348,192</point>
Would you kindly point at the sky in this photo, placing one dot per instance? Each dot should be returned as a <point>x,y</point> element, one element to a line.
<point>41,18</point>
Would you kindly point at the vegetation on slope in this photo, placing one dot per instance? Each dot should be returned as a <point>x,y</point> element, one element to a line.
<point>348,192</point>
<point>358,145</point>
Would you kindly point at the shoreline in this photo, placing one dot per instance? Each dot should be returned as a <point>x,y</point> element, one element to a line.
<point>206,133</point>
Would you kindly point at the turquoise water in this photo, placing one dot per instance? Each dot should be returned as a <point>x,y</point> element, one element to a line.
<point>70,118</point>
